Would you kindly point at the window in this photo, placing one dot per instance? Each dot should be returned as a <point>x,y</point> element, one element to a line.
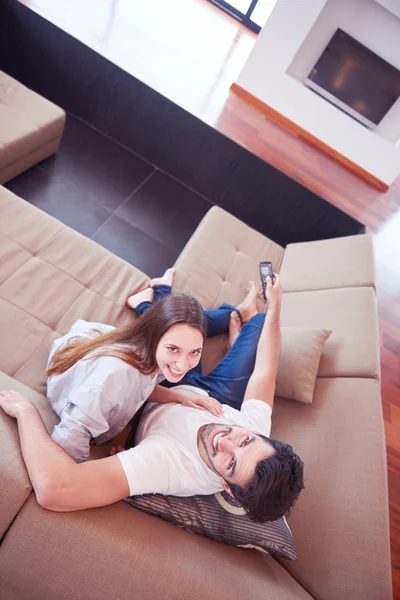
<point>252,13</point>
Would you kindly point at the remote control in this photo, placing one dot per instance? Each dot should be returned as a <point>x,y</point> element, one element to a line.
<point>265,270</point>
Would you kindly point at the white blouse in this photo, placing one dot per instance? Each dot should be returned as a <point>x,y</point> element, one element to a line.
<point>96,397</point>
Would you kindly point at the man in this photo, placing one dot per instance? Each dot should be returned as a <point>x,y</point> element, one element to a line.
<point>181,450</point>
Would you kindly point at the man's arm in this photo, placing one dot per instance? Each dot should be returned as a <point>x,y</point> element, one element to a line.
<point>261,385</point>
<point>59,482</point>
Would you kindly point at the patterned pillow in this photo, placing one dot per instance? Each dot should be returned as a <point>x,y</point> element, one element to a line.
<point>221,518</point>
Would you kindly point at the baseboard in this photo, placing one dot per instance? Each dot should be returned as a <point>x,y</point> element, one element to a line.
<point>307,137</point>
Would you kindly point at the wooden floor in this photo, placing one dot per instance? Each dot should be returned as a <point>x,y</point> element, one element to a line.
<point>191,52</point>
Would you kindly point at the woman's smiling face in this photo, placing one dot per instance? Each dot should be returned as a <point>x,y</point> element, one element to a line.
<point>178,351</point>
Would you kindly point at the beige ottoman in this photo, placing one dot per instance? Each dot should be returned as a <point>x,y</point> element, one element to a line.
<point>30,128</point>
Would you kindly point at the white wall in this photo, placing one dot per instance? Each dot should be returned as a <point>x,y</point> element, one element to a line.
<point>372,26</point>
<point>392,5</point>
<point>283,56</point>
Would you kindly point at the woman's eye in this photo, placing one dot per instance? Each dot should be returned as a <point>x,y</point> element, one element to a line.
<point>246,441</point>
<point>172,349</point>
<point>196,352</point>
<point>230,466</point>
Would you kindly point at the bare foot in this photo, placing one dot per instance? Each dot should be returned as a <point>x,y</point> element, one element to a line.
<point>234,328</point>
<point>248,308</point>
<point>144,296</point>
<point>166,279</point>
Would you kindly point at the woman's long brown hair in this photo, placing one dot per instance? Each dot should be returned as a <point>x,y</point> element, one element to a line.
<point>136,343</point>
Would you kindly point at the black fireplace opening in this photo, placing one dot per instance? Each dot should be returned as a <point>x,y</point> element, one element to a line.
<point>355,79</point>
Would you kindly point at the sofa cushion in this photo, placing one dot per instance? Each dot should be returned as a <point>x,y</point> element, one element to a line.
<point>21,335</point>
<point>28,123</point>
<point>352,349</point>
<point>221,518</point>
<point>14,482</point>
<point>13,256</point>
<point>120,552</point>
<point>24,288</point>
<point>298,363</point>
<point>326,264</point>
<point>49,277</point>
<point>221,257</point>
<point>341,522</point>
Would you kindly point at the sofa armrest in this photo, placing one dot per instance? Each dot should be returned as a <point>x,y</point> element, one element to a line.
<point>14,481</point>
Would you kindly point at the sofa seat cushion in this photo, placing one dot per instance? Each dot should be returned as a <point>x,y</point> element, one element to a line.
<point>50,276</point>
<point>341,521</point>
<point>29,126</point>
<point>352,349</point>
<point>221,257</point>
<point>120,552</point>
<point>14,482</point>
<point>327,264</point>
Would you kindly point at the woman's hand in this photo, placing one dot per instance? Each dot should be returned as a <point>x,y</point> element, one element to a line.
<point>116,450</point>
<point>202,403</point>
<point>13,402</point>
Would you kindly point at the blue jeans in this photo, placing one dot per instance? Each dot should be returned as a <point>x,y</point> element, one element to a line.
<point>228,381</point>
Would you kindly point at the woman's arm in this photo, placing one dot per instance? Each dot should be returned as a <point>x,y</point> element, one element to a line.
<point>163,395</point>
<point>85,416</point>
<point>59,482</point>
<point>71,434</point>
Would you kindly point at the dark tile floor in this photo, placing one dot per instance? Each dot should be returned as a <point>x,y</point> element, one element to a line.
<point>107,193</point>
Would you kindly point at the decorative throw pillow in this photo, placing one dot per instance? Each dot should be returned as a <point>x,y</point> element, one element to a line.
<point>298,364</point>
<point>221,518</point>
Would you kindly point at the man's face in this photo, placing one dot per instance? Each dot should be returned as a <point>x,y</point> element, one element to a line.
<point>232,452</point>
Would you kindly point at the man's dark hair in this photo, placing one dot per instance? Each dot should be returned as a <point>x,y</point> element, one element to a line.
<point>275,487</point>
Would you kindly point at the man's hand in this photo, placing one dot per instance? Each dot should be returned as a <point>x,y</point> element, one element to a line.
<point>274,291</point>
<point>202,403</point>
<point>13,402</point>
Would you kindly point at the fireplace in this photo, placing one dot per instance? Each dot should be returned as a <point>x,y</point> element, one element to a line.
<point>355,79</point>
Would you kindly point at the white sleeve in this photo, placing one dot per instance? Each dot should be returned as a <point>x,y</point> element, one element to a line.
<point>84,417</point>
<point>147,467</point>
<point>258,415</point>
<point>108,385</point>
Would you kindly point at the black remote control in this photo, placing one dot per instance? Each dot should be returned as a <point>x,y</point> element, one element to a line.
<point>265,270</point>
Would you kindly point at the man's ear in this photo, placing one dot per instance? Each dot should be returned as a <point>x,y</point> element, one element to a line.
<point>226,487</point>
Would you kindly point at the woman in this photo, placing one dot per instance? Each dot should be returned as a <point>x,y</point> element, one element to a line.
<point>99,376</point>
<point>229,378</point>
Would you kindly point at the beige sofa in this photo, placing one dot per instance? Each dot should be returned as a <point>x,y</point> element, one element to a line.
<point>51,275</point>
